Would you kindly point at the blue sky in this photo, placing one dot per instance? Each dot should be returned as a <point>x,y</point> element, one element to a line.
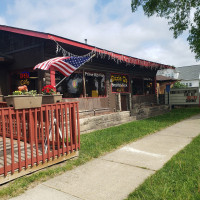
<point>108,24</point>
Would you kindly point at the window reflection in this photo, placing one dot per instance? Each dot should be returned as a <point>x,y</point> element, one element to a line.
<point>72,86</point>
<point>95,84</point>
<point>143,86</point>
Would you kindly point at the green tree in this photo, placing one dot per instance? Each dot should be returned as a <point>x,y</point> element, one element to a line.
<point>179,85</point>
<point>182,15</point>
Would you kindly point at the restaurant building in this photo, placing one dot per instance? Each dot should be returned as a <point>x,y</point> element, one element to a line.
<point>109,81</point>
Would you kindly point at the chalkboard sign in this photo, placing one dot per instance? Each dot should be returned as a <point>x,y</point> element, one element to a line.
<point>120,83</point>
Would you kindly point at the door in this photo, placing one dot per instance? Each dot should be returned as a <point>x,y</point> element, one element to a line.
<point>124,102</point>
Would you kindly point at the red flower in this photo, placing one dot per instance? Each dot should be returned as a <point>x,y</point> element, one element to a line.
<point>49,90</point>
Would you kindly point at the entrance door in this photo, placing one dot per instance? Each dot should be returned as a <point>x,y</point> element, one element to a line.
<point>124,102</point>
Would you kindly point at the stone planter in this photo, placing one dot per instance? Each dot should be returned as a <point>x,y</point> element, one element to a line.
<point>24,101</point>
<point>1,98</point>
<point>50,99</point>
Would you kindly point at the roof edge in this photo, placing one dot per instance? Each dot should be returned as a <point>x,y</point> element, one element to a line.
<point>121,57</point>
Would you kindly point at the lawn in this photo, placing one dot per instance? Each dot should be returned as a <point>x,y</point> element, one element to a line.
<point>179,179</point>
<point>98,143</point>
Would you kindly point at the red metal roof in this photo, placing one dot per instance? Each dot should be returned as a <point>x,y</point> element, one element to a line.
<point>124,58</point>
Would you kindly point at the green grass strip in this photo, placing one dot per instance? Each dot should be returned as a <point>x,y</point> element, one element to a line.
<point>98,143</point>
<point>179,179</point>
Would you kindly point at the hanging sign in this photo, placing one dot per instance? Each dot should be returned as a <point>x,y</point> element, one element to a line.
<point>119,83</point>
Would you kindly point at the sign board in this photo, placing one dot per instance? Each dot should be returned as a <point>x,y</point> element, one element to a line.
<point>120,83</point>
<point>168,88</point>
<point>182,96</point>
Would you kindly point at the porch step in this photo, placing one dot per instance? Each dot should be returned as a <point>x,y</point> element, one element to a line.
<point>104,121</point>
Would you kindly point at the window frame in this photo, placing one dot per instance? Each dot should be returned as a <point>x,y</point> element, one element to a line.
<point>84,71</point>
<point>153,83</point>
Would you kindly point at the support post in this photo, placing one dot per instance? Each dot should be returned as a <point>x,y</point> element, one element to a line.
<point>84,88</point>
<point>52,76</point>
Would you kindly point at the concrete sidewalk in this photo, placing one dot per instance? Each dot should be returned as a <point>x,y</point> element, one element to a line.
<point>115,175</point>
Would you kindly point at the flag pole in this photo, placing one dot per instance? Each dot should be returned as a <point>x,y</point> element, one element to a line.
<point>60,81</point>
<point>66,76</point>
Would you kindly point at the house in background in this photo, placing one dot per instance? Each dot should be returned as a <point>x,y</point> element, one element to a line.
<point>168,73</point>
<point>162,81</point>
<point>188,75</point>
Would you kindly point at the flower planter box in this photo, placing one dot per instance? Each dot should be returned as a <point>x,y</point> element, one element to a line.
<point>50,99</point>
<point>24,101</point>
<point>1,98</point>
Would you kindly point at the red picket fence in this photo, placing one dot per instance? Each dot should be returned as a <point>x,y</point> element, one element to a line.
<point>29,137</point>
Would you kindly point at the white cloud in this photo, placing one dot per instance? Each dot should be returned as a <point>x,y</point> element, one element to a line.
<point>2,21</point>
<point>109,25</point>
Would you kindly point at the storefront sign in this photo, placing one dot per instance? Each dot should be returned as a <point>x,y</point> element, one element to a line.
<point>94,74</point>
<point>24,78</point>
<point>191,99</point>
<point>24,75</point>
<point>120,83</point>
<point>182,96</point>
<point>24,82</point>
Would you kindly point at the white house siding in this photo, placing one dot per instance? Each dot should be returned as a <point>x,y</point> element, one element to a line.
<point>188,75</point>
<point>191,83</point>
<point>167,72</point>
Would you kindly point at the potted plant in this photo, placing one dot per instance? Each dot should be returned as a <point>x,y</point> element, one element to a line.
<point>22,98</point>
<point>50,96</point>
<point>1,98</point>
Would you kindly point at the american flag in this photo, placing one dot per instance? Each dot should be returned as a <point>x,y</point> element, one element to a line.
<point>65,65</point>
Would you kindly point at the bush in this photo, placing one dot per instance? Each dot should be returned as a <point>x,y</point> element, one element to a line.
<point>179,85</point>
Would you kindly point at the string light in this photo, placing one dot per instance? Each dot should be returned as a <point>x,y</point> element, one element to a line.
<point>111,56</point>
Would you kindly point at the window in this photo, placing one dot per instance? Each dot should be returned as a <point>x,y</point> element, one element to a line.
<point>28,78</point>
<point>95,84</point>
<point>143,86</point>
<point>149,86</point>
<point>186,84</point>
<point>137,86</point>
<point>72,86</point>
<point>190,84</point>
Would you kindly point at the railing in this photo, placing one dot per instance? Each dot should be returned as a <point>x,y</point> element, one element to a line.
<point>3,104</point>
<point>29,137</point>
